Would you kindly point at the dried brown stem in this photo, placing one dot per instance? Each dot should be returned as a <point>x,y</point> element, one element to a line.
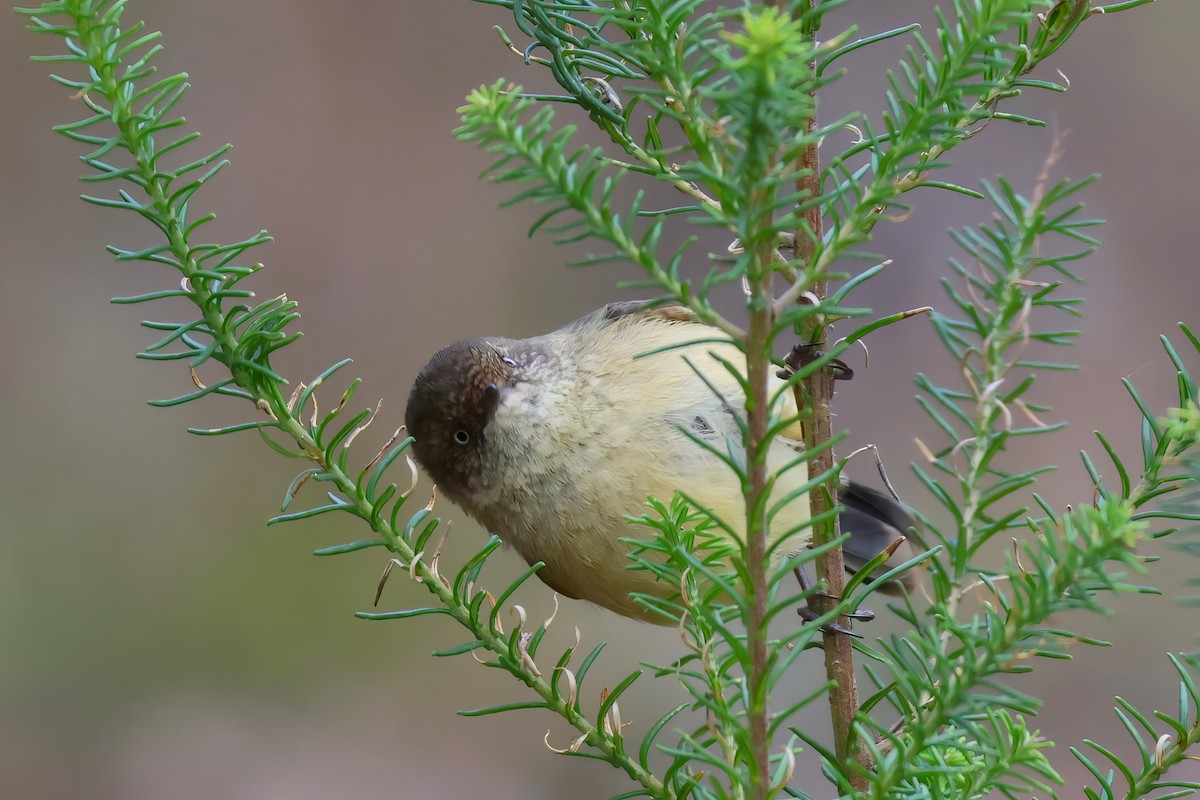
<point>815,395</point>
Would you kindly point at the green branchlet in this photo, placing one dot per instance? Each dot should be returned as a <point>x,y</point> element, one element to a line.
<point>129,113</point>
<point>689,551</point>
<point>1158,749</point>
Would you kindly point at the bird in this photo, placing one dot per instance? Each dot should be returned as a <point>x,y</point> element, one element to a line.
<point>552,442</point>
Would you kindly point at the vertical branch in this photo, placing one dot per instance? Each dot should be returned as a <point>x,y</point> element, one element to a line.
<point>758,363</point>
<point>817,390</point>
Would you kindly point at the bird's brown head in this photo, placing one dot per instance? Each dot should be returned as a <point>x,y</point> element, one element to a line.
<point>449,408</point>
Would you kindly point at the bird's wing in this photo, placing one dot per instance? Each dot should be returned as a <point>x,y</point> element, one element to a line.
<point>873,518</point>
<point>647,310</point>
<point>658,311</point>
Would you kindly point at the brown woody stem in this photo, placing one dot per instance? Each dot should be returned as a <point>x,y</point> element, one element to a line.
<point>815,395</point>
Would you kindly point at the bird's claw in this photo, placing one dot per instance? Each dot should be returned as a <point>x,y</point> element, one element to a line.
<point>804,354</point>
<point>809,614</point>
<point>862,615</point>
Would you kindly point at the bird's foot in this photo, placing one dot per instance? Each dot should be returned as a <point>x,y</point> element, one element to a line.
<point>804,354</point>
<point>810,614</point>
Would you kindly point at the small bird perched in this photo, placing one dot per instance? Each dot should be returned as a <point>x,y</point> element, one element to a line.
<point>550,442</point>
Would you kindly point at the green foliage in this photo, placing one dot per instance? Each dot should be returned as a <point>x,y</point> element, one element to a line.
<point>1002,286</point>
<point>130,117</point>
<point>721,104</point>
<point>711,611</point>
<point>1157,752</point>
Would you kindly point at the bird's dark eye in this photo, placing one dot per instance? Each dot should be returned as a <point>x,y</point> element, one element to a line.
<point>462,437</point>
<point>510,361</point>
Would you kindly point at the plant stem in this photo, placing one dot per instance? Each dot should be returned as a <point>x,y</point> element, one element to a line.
<point>95,40</point>
<point>817,389</point>
<point>839,653</point>
<point>758,366</point>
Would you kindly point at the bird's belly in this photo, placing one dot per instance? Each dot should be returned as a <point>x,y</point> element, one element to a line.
<point>567,495</point>
<point>578,536</point>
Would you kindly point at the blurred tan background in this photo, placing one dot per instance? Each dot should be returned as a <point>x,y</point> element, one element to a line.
<point>157,640</point>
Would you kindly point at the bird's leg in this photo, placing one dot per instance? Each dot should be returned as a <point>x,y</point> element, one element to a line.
<point>810,614</point>
<point>804,354</point>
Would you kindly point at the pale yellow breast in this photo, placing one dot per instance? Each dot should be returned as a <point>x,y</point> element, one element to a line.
<point>660,458</point>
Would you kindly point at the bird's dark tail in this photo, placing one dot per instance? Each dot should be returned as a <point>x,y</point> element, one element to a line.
<point>874,520</point>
